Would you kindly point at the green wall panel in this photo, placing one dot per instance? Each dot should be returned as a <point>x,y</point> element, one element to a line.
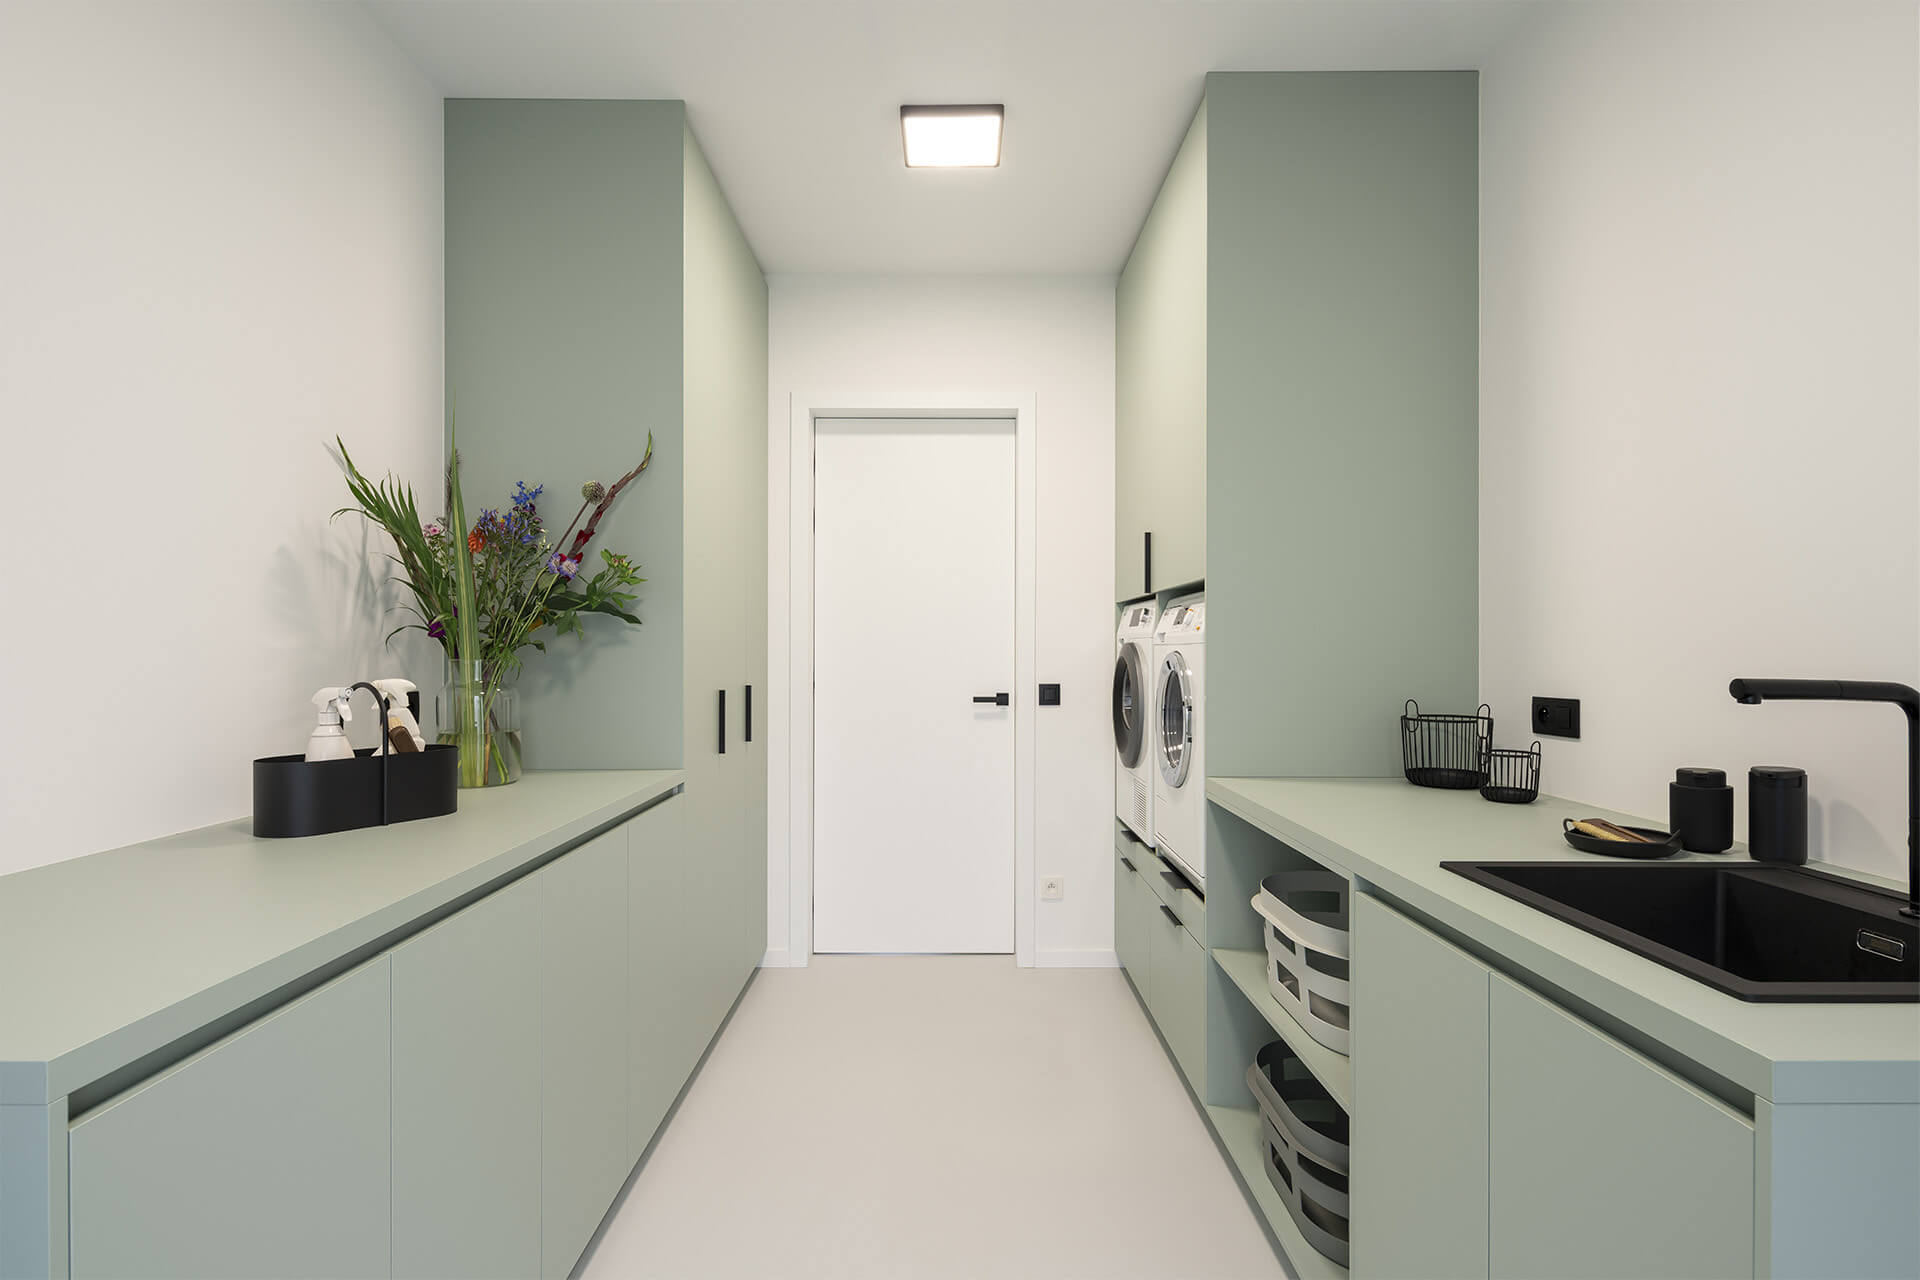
<point>564,249</point>
<point>1341,412</point>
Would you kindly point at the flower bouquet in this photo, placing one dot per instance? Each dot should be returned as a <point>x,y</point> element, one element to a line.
<point>489,590</point>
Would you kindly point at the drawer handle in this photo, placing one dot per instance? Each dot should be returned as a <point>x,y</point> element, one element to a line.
<point>1178,879</point>
<point>1167,911</point>
<point>1128,864</point>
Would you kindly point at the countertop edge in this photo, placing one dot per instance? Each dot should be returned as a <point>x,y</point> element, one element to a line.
<point>1780,1082</point>
<point>38,1082</point>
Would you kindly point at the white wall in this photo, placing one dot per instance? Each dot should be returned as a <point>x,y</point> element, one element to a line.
<point>220,241</point>
<point>1052,338</point>
<point>1700,401</point>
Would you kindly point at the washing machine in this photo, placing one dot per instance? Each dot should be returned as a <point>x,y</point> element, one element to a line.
<point>1132,716</point>
<point>1176,737</point>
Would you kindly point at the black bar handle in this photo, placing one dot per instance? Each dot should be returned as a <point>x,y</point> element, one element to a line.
<point>1178,879</point>
<point>723,722</point>
<point>747,714</point>
<point>1128,864</point>
<point>1146,563</point>
<point>1167,911</point>
<point>996,699</point>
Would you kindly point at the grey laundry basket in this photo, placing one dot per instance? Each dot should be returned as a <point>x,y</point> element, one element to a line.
<point>1306,1133</point>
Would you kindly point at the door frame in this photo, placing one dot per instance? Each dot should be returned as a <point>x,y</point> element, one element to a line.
<point>805,409</point>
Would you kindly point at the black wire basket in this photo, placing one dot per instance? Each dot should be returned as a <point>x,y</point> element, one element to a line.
<point>1513,777</point>
<point>1449,752</point>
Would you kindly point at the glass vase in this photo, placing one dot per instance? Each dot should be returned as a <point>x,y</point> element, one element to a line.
<point>478,711</point>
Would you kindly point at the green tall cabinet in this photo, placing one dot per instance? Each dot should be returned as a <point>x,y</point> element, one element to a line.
<point>1296,409</point>
<point>598,290</point>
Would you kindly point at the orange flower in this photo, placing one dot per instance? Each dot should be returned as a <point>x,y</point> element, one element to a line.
<point>475,541</point>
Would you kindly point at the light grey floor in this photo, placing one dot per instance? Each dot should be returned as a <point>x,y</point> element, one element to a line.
<point>939,1116</point>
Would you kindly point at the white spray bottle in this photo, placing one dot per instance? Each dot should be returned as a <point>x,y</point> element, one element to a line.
<point>403,731</point>
<point>329,740</point>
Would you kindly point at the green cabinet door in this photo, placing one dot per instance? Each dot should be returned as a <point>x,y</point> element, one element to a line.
<point>265,1155</point>
<point>1601,1162</point>
<point>1419,1183</point>
<point>583,1044</point>
<point>664,1024</point>
<point>1177,989</point>
<point>466,1091</point>
<point>1132,901</point>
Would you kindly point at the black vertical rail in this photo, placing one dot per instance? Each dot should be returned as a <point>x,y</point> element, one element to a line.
<point>1146,564</point>
<point>746,714</point>
<point>723,722</point>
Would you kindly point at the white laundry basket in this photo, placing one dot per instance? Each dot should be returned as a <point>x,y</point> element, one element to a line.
<point>1305,914</point>
<point>1306,1134</point>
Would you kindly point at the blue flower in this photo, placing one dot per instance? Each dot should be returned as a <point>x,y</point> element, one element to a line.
<point>562,565</point>
<point>523,497</point>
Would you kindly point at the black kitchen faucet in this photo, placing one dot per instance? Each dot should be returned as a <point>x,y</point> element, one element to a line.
<point>1754,692</point>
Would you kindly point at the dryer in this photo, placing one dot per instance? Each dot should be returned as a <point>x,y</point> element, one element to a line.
<point>1177,737</point>
<point>1132,716</point>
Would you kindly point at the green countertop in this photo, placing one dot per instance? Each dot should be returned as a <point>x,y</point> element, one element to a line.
<point>1395,836</point>
<point>106,958</point>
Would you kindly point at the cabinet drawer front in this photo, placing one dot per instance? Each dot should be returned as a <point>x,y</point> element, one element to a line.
<point>466,1091</point>
<point>1173,889</point>
<point>266,1155</point>
<point>1420,1083</point>
<point>1603,1163</point>
<point>1177,994</point>
<point>1133,904</point>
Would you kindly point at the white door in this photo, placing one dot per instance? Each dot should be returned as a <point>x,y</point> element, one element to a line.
<point>913,839</point>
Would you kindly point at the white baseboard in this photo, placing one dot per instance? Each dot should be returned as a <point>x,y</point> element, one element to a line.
<point>780,958</point>
<point>1090,959</point>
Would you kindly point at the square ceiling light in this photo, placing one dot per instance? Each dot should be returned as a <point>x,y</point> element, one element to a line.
<point>952,137</point>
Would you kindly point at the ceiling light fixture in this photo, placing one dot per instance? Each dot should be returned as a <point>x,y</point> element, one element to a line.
<point>952,137</point>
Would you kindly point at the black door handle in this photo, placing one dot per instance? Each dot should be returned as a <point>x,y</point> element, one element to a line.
<point>997,699</point>
<point>1167,911</point>
<point>746,713</point>
<point>723,722</point>
<point>1146,564</point>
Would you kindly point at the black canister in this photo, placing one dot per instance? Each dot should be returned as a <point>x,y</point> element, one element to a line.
<point>1777,814</point>
<point>1700,810</point>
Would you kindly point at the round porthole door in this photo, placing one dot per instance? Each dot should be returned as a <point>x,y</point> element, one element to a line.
<point>1129,705</point>
<point>1175,729</point>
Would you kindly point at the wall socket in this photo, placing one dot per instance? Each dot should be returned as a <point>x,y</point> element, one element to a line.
<point>1053,888</point>
<point>1557,717</point>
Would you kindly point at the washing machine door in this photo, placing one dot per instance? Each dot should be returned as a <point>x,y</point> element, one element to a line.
<point>1174,736</point>
<point>1129,705</point>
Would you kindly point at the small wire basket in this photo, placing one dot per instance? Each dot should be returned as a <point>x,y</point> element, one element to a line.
<point>1449,752</point>
<point>1513,777</point>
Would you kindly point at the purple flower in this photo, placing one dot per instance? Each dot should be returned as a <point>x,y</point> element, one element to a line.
<point>563,566</point>
<point>435,630</point>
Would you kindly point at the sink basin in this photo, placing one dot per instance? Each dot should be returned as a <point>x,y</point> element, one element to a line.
<point>1757,932</point>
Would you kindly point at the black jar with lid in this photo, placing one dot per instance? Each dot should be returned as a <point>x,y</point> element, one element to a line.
<point>1700,810</point>
<point>1777,814</point>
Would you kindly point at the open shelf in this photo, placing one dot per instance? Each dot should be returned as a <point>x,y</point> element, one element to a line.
<point>1239,1132</point>
<point>1248,971</point>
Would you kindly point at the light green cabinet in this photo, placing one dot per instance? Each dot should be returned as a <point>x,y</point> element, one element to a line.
<point>583,1044</point>
<point>1603,1163</point>
<point>466,1091</point>
<point>1160,384</point>
<point>666,1029</point>
<point>267,1154</point>
<point>1419,1189</point>
<point>1177,989</point>
<point>1133,903</point>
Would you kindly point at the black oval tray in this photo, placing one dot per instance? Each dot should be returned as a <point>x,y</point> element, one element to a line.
<point>1668,846</point>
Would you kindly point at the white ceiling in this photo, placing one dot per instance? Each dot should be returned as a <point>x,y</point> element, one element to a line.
<point>796,102</point>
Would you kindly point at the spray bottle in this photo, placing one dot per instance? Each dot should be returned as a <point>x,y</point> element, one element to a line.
<point>403,731</point>
<point>329,740</point>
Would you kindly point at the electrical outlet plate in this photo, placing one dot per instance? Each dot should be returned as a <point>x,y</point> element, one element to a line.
<point>1557,717</point>
<point>1049,695</point>
<point>1053,888</point>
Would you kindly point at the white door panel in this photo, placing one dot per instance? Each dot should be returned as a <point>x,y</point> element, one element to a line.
<point>913,619</point>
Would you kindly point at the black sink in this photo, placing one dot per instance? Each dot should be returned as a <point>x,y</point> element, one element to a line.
<point>1756,932</point>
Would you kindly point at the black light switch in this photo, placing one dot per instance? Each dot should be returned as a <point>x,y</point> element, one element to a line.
<point>1049,695</point>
